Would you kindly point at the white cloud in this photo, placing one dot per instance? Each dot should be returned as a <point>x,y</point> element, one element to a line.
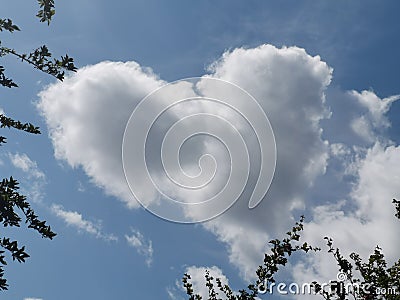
<point>377,108</point>
<point>362,127</point>
<point>360,220</point>
<point>34,179</point>
<point>287,98</point>
<point>23,162</point>
<point>143,247</point>
<point>75,219</point>
<point>81,188</point>
<point>371,123</point>
<point>87,113</point>
<point>294,102</point>
<point>30,298</point>
<point>340,149</point>
<point>360,229</point>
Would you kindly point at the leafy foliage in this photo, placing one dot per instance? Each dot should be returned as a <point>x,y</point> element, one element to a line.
<point>278,256</point>
<point>6,122</point>
<point>375,280</point>
<point>7,25</point>
<point>40,58</point>
<point>14,207</point>
<point>11,201</point>
<point>46,11</point>
<point>397,204</point>
<point>4,80</point>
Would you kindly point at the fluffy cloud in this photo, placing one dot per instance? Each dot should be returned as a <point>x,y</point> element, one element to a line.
<point>376,107</point>
<point>290,85</point>
<point>75,219</point>
<point>333,158</point>
<point>359,219</point>
<point>357,119</point>
<point>87,114</point>
<point>361,228</point>
<point>142,246</point>
<point>372,121</point>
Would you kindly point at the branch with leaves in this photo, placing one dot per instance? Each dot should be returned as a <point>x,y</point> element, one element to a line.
<point>397,205</point>
<point>280,251</point>
<point>46,11</point>
<point>10,202</point>
<point>376,281</point>
<point>40,59</point>
<point>14,207</point>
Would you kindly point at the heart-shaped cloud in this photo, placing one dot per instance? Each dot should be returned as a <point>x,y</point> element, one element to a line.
<point>88,112</point>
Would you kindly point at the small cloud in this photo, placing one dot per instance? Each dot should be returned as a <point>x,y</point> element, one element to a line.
<point>339,149</point>
<point>81,187</point>
<point>173,293</point>
<point>24,163</point>
<point>143,247</point>
<point>33,174</point>
<point>75,219</point>
<point>30,298</point>
<point>370,125</point>
<point>377,108</point>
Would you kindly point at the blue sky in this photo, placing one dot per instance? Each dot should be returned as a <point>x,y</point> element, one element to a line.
<point>335,119</point>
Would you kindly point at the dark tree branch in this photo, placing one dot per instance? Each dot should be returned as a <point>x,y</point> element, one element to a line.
<point>14,207</point>
<point>6,122</point>
<point>40,59</point>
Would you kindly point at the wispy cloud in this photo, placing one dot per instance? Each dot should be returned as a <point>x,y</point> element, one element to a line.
<point>23,162</point>
<point>173,292</point>
<point>75,219</point>
<point>143,247</point>
<point>32,173</point>
<point>81,187</point>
